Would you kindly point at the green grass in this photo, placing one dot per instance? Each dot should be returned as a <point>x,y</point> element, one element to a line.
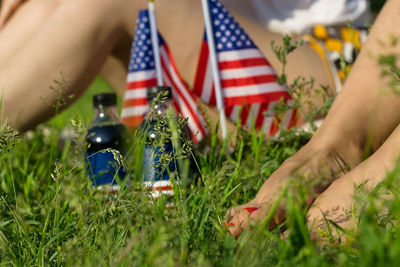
<point>50,215</point>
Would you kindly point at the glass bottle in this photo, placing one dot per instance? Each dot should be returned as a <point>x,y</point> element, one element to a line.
<point>157,175</point>
<point>107,142</point>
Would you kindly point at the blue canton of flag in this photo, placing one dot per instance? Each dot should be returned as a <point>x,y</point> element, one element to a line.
<point>142,58</point>
<point>228,33</point>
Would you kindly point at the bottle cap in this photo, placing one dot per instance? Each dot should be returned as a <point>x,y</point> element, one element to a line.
<point>104,99</point>
<point>152,92</point>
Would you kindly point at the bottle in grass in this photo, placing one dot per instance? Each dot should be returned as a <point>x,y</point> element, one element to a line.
<point>159,164</point>
<point>107,142</point>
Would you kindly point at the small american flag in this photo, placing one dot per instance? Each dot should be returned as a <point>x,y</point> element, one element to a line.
<point>142,74</point>
<point>248,81</point>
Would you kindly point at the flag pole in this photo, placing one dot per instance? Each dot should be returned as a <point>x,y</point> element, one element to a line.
<point>154,40</point>
<point>214,66</point>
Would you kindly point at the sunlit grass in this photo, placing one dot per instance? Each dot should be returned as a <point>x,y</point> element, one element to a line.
<point>51,216</point>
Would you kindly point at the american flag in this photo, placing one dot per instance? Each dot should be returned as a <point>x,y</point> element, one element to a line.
<point>142,74</point>
<point>248,81</point>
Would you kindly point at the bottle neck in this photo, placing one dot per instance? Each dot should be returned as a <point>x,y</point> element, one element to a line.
<point>106,115</point>
<point>160,109</point>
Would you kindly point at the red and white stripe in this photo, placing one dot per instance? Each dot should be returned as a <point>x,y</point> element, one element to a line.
<point>183,97</point>
<point>246,78</point>
<point>135,104</point>
<point>160,188</point>
<point>248,84</point>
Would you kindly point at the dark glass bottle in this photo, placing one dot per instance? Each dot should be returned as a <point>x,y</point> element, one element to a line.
<point>106,132</point>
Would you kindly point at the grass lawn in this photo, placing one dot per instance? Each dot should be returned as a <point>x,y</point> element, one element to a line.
<point>50,215</point>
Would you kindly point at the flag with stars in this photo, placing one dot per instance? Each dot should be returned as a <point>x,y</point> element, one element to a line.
<point>248,81</point>
<point>142,75</point>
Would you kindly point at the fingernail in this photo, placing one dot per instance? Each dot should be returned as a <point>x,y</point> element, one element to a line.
<point>250,209</point>
<point>231,224</point>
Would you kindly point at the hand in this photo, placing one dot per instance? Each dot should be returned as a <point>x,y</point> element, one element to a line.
<point>8,7</point>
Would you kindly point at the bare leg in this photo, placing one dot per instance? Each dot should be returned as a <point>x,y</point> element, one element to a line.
<point>71,41</point>
<point>13,37</point>
<point>361,115</point>
<point>8,7</point>
<point>114,72</point>
<point>336,202</point>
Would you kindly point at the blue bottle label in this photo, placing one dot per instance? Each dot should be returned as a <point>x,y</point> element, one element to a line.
<point>103,168</point>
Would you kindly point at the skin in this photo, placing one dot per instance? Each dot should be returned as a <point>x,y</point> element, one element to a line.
<point>336,203</point>
<point>361,119</point>
<point>8,7</point>
<point>44,43</point>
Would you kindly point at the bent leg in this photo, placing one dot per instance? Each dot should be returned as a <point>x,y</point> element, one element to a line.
<point>363,114</point>
<point>336,203</point>
<point>73,41</point>
<point>23,25</point>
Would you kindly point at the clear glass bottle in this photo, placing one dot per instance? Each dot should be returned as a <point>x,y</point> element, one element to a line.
<point>106,135</point>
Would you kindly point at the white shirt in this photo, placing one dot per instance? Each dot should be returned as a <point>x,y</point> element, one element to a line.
<point>300,15</point>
